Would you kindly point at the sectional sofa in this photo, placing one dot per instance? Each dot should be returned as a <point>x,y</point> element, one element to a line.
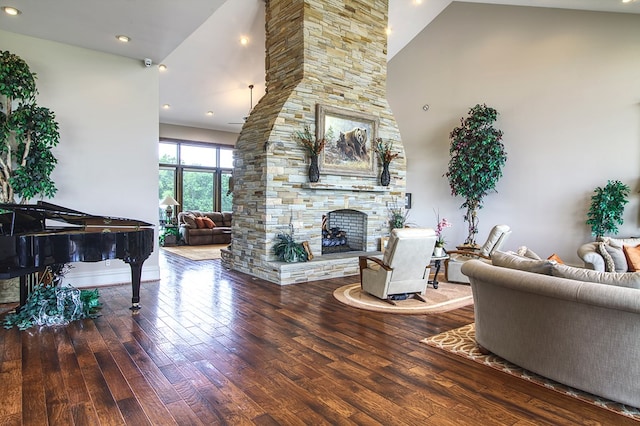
<point>576,326</point>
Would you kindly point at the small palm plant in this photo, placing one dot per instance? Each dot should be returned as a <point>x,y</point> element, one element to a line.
<point>607,207</point>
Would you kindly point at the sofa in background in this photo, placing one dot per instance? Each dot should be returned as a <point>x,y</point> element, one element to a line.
<point>575,331</point>
<point>196,230</point>
<point>608,254</point>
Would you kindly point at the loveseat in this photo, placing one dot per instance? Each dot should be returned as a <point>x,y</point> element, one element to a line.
<point>572,330</point>
<point>196,230</point>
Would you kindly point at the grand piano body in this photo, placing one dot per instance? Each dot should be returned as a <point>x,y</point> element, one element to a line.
<point>35,236</point>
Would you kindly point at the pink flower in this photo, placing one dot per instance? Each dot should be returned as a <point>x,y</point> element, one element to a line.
<point>442,224</point>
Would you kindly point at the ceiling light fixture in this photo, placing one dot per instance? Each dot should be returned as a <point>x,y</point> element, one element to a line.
<point>11,10</point>
<point>162,67</point>
<point>210,113</point>
<point>166,106</point>
<point>244,40</point>
<point>123,38</point>
<point>388,31</point>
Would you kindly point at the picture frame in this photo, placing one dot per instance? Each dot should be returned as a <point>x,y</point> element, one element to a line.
<point>350,136</point>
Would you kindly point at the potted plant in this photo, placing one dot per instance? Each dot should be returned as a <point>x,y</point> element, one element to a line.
<point>287,250</point>
<point>397,215</point>
<point>477,157</point>
<point>607,206</point>
<point>440,242</point>
<point>28,133</point>
<point>385,155</point>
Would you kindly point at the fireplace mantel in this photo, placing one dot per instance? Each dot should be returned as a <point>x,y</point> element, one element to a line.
<point>318,186</point>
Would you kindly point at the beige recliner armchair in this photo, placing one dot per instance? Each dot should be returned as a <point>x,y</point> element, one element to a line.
<point>453,265</point>
<point>403,269</point>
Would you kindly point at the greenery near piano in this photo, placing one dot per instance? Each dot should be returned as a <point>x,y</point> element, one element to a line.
<point>28,133</point>
<point>51,303</point>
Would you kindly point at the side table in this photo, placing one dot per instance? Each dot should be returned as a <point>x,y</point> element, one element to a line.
<point>437,262</point>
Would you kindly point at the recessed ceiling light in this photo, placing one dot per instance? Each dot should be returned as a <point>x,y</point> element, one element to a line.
<point>244,40</point>
<point>417,1</point>
<point>162,67</point>
<point>166,106</point>
<point>388,30</point>
<point>210,113</point>
<point>11,10</point>
<point>123,38</point>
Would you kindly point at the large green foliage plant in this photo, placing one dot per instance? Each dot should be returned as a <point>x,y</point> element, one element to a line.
<point>477,157</point>
<point>607,207</point>
<point>28,133</point>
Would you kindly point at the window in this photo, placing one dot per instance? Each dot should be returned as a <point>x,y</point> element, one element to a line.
<point>197,175</point>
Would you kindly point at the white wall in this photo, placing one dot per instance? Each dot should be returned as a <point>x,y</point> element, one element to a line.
<point>107,108</point>
<point>173,131</point>
<point>567,87</point>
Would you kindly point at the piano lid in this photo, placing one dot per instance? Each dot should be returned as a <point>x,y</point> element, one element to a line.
<point>21,218</point>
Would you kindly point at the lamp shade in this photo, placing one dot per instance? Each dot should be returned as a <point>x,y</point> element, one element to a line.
<point>169,201</point>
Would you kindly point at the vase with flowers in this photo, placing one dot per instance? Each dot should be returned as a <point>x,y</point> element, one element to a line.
<point>385,155</point>
<point>443,223</point>
<point>314,147</point>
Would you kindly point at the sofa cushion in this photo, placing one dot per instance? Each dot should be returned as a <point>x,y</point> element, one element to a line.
<point>618,257</point>
<point>208,223</point>
<point>632,253</point>
<point>513,261</point>
<point>622,279</point>
<point>609,264</point>
<point>527,252</point>
<point>200,222</point>
<point>189,220</point>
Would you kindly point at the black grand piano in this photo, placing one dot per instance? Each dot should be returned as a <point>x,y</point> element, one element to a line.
<point>34,236</point>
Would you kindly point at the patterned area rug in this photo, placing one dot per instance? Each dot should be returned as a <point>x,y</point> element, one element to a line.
<point>446,298</point>
<point>462,342</point>
<point>206,252</point>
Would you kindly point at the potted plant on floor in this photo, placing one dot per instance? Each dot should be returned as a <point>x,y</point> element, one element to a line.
<point>607,207</point>
<point>477,157</point>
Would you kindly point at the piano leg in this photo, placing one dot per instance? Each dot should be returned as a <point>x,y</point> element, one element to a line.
<point>136,274</point>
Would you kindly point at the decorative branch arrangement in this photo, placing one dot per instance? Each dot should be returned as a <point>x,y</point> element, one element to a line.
<point>385,151</point>
<point>309,142</point>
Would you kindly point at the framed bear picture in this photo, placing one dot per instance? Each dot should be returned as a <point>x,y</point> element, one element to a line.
<point>349,135</point>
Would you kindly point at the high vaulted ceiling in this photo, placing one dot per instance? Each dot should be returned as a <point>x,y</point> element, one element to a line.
<point>199,41</point>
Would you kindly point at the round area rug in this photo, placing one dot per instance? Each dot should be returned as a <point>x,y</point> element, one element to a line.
<point>446,298</point>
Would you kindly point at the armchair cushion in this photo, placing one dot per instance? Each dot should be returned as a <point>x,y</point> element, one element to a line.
<point>513,261</point>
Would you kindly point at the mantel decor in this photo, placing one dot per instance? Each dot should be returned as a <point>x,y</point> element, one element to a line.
<point>314,146</point>
<point>349,139</point>
<point>385,155</point>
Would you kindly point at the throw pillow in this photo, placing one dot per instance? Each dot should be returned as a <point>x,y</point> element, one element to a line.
<point>618,257</point>
<point>190,220</point>
<point>554,257</point>
<point>513,261</point>
<point>527,252</point>
<point>200,222</point>
<point>609,264</point>
<point>621,279</point>
<point>208,223</point>
<point>632,253</point>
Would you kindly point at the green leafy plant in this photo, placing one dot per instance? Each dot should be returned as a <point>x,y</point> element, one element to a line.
<point>477,157</point>
<point>168,231</point>
<point>607,207</point>
<point>27,135</point>
<point>398,215</point>
<point>53,304</point>
<point>287,250</point>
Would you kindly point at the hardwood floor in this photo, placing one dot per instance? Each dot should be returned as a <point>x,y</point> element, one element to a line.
<point>210,346</point>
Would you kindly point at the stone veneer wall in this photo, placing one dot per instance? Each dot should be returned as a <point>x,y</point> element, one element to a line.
<point>330,52</point>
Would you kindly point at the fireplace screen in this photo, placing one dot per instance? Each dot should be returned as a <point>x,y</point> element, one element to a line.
<point>344,230</point>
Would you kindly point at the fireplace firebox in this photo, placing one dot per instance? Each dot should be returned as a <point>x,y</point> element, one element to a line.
<point>344,230</point>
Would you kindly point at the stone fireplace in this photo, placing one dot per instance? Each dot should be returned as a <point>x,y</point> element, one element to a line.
<point>318,52</point>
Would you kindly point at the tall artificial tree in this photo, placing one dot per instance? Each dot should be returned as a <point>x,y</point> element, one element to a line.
<point>28,133</point>
<point>477,157</point>
<point>607,207</point>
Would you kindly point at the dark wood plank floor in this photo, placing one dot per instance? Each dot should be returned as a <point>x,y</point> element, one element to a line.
<point>212,347</point>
